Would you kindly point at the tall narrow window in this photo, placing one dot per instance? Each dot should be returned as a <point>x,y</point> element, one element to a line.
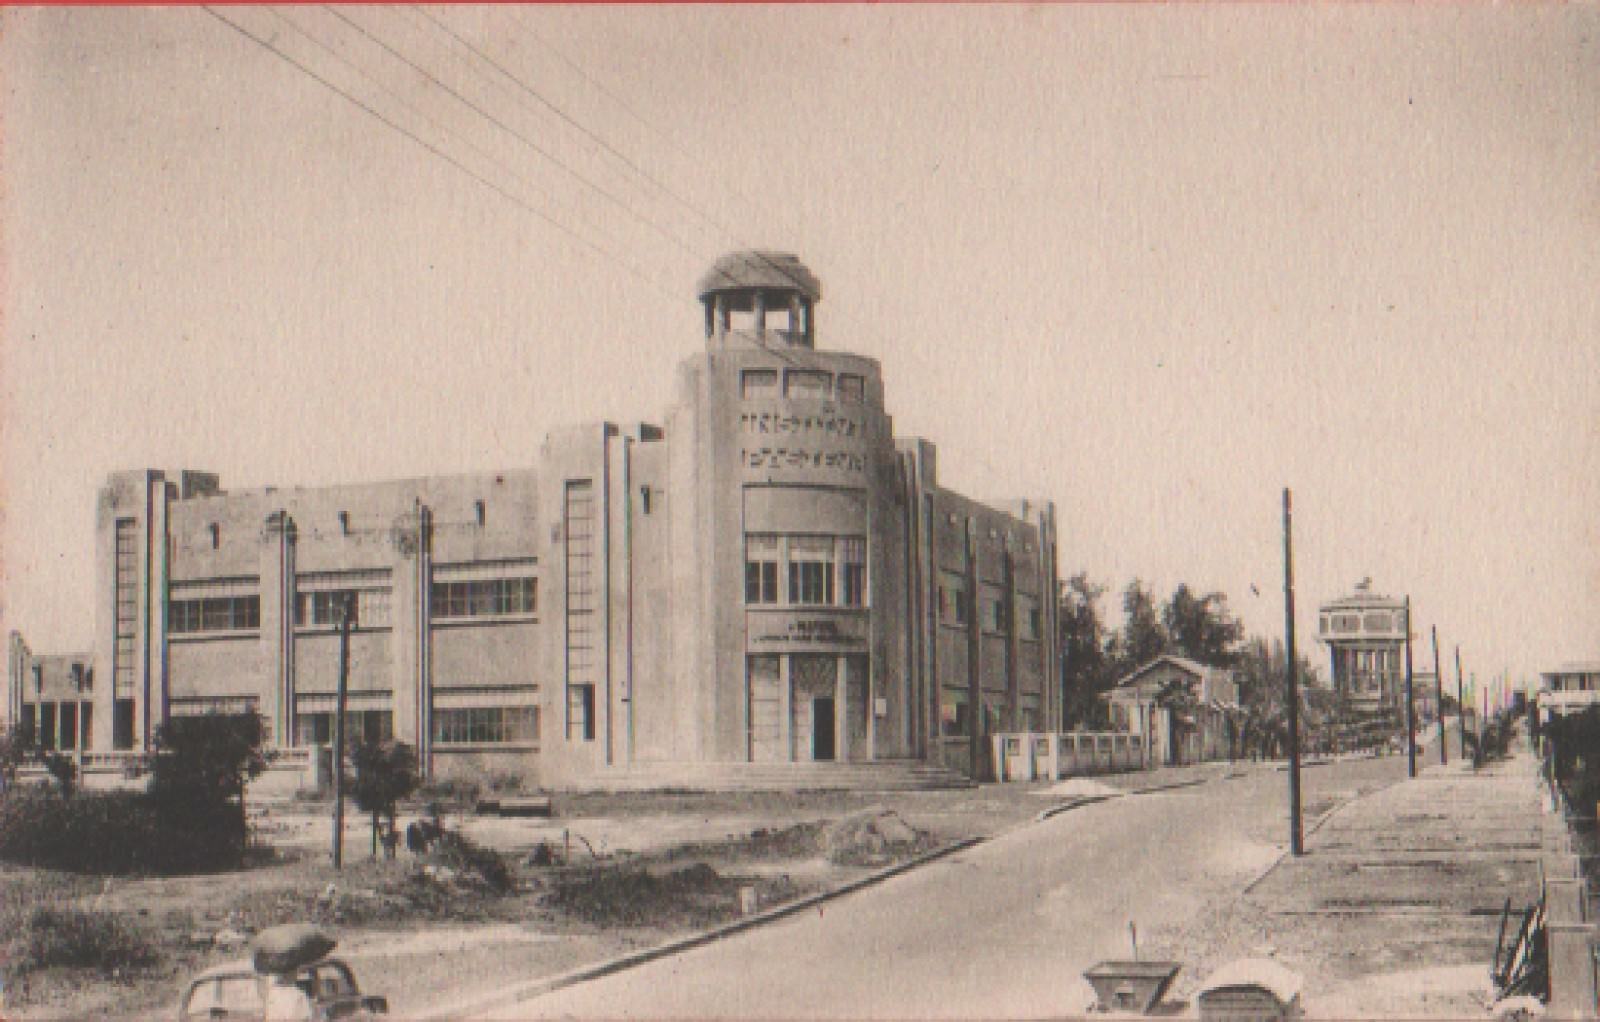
<point>853,568</point>
<point>811,570</point>
<point>760,569</point>
<point>952,598</point>
<point>584,644</point>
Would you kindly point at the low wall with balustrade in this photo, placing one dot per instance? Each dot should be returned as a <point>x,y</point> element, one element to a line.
<point>1053,755</point>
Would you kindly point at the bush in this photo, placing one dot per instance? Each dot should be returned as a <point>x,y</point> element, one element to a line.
<point>117,833</point>
<point>80,939</point>
<point>460,853</point>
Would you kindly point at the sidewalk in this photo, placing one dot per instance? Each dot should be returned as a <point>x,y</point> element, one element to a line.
<point>1395,908</point>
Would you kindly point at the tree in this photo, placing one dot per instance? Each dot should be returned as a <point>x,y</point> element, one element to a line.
<point>16,748</point>
<point>1143,637</point>
<point>1201,628</point>
<point>63,769</point>
<point>1085,670</point>
<point>201,767</point>
<point>385,773</point>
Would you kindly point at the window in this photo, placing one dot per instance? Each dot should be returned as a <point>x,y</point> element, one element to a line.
<point>992,609</point>
<point>488,597</point>
<point>811,570</point>
<point>1028,625</point>
<point>214,614</point>
<point>760,569</point>
<point>851,387</point>
<point>952,598</point>
<point>853,568</point>
<point>580,712</point>
<point>69,725</point>
<point>199,706</point>
<point>758,383</point>
<point>368,726</point>
<point>486,725</point>
<point>955,717</point>
<point>807,383</point>
<point>226,997</point>
<point>323,608</point>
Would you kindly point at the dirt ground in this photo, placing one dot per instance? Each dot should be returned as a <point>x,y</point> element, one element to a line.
<point>629,871</point>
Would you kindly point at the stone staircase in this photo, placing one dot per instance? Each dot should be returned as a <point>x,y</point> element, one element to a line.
<point>878,775</point>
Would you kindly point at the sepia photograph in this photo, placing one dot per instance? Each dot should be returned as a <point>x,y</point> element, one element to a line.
<point>800,511</point>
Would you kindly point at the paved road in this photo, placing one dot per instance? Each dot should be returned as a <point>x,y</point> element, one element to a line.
<point>1004,929</point>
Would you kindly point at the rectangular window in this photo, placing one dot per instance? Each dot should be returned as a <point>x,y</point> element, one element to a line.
<point>811,570</point>
<point>758,383</point>
<point>852,388</point>
<point>992,609</point>
<point>69,725</point>
<point>807,383</point>
<point>955,718</point>
<point>853,569</point>
<point>214,614</point>
<point>30,723</point>
<point>580,713</point>
<point>47,726</point>
<point>486,725</point>
<point>1027,609</point>
<point>952,598</point>
<point>126,570</point>
<point>486,597</point>
<point>369,726</point>
<point>760,569</point>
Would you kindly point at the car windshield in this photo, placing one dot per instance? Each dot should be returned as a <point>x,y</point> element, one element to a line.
<point>224,997</point>
<point>328,981</point>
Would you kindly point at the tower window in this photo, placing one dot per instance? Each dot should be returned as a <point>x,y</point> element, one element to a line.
<point>479,512</point>
<point>807,383</point>
<point>852,387</point>
<point>216,535</point>
<point>644,499</point>
<point>344,523</point>
<point>758,383</point>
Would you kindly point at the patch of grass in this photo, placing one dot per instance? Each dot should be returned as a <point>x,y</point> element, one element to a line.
<point>77,938</point>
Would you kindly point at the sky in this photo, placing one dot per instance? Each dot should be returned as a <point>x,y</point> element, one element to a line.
<point>1152,263</point>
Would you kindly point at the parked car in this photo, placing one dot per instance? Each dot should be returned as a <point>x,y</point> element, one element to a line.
<point>236,990</point>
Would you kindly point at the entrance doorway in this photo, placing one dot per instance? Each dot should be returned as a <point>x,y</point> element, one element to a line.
<point>822,729</point>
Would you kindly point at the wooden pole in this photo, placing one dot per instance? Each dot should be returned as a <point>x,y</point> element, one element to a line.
<point>1411,704</point>
<point>1296,829</point>
<point>338,735</point>
<point>1461,704</point>
<point>1438,694</point>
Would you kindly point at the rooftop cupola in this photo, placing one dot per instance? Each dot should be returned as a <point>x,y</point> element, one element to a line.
<point>768,295</point>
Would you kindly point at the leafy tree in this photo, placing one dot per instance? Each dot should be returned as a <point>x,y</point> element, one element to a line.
<point>16,748</point>
<point>1201,628</point>
<point>385,773</point>
<point>1085,670</point>
<point>63,769</point>
<point>202,764</point>
<point>1143,637</point>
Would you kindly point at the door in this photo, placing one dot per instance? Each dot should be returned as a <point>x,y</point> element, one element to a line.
<point>822,729</point>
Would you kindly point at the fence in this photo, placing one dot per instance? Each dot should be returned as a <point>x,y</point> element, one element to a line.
<point>1052,755</point>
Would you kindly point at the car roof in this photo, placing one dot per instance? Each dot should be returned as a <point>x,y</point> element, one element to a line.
<point>246,967</point>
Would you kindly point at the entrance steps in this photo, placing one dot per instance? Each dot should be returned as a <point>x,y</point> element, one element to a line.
<point>877,775</point>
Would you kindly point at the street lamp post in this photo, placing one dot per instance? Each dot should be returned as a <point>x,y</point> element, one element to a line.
<point>1296,830</point>
<point>1411,703</point>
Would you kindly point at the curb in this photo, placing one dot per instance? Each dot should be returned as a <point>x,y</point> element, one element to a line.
<point>1315,826</point>
<point>550,984</point>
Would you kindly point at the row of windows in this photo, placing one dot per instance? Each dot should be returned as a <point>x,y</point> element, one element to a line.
<point>58,725</point>
<point>488,597</point>
<point>367,726</point>
<point>953,596</point>
<point>214,614</point>
<point>802,383</point>
<point>369,608</point>
<point>486,725</point>
<point>819,570</point>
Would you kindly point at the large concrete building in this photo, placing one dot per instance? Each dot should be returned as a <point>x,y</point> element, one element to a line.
<point>768,576</point>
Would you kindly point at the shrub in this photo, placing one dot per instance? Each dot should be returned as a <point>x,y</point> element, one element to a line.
<point>465,856</point>
<point>80,939</point>
<point>116,833</point>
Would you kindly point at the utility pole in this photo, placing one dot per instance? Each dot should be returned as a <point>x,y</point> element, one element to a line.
<point>1411,704</point>
<point>338,731</point>
<point>1296,830</point>
<point>1438,701</point>
<point>1461,704</point>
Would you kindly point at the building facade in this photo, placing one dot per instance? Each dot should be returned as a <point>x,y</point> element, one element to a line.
<point>1571,688</point>
<point>767,576</point>
<point>1366,638</point>
<point>1194,729</point>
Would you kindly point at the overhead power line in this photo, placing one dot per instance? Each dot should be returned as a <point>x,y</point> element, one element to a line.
<point>414,109</point>
<point>426,145</point>
<point>503,126</point>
